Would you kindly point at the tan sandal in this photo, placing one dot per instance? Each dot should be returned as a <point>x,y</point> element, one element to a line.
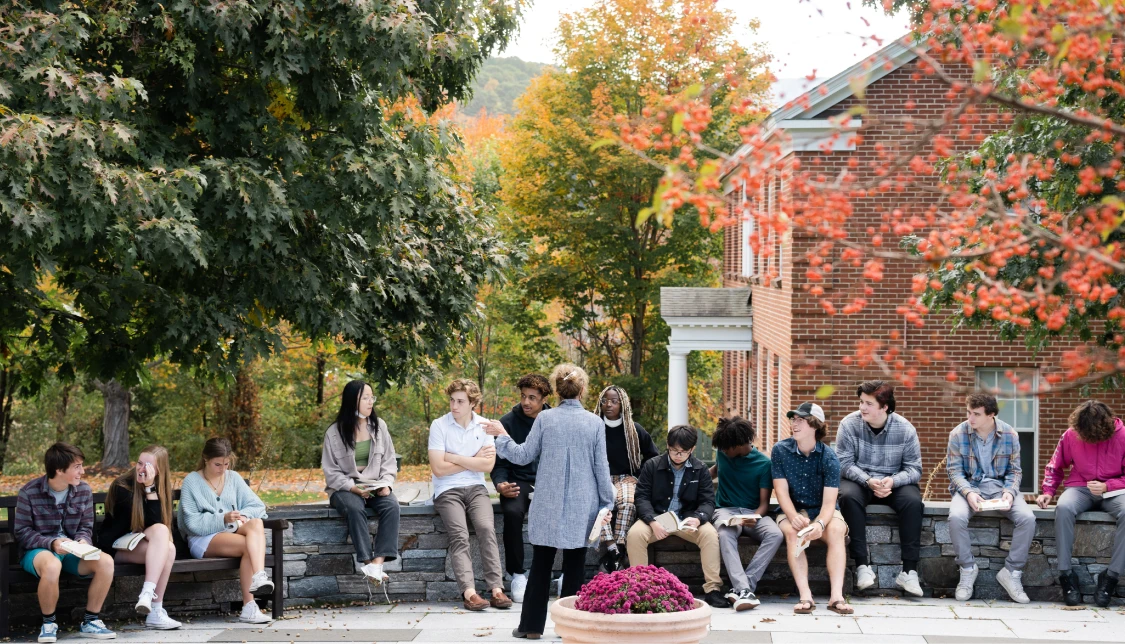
<point>840,607</point>
<point>800,607</point>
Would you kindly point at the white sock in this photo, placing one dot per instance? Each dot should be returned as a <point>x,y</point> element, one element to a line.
<point>149,586</point>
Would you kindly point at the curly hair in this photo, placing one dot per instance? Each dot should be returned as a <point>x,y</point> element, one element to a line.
<point>536,382</point>
<point>1094,421</point>
<point>472,391</point>
<point>733,432</point>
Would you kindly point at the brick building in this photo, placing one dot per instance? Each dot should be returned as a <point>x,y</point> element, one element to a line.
<point>790,329</point>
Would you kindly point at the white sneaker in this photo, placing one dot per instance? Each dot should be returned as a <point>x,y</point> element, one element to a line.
<point>908,581</point>
<point>1012,581</point>
<point>260,584</point>
<point>746,600</point>
<point>251,614</point>
<point>144,602</point>
<point>965,586</point>
<point>519,587</point>
<point>864,577</point>
<point>374,572</point>
<point>48,632</point>
<point>560,586</point>
<point>160,620</point>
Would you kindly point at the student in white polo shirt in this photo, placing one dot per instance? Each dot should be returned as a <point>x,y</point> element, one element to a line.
<point>460,453</point>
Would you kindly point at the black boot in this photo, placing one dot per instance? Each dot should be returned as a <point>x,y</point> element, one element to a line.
<point>609,561</point>
<point>1072,594</point>
<point>1107,586</point>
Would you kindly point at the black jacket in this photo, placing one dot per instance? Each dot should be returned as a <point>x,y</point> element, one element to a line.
<point>654,490</point>
<point>518,425</point>
<point>118,524</point>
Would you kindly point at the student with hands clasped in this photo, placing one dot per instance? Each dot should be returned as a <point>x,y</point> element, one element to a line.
<point>806,479</point>
<point>52,510</point>
<point>358,446</point>
<point>220,516</point>
<point>140,502</point>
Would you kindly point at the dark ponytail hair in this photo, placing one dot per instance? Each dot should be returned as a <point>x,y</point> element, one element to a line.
<point>349,407</point>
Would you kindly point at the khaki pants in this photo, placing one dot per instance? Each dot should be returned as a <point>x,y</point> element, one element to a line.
<point>457,507</point>
<point>640,535</point>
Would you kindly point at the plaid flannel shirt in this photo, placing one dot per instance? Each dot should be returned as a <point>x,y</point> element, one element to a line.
<point>965,470</point>
<point>40,520</point>
<point>894,452</point>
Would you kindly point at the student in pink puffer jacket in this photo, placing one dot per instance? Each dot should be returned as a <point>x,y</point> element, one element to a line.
<point>1094,450</point>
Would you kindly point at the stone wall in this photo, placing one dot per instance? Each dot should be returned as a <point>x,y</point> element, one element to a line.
<point>320,563</point>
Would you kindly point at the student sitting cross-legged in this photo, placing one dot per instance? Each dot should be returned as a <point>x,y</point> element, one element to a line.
<point>51,512</point>
<point>678,482</point>
<point>983,463</point>
<point>222,517</point>
<point>140,502</point>
<point>744,485</point>
<point>806,479</point>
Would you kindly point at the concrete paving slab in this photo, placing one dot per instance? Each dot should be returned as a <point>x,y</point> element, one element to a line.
<point>739,637</point>
<point>980,628</point>
<point>1067,631</point>
<point>1044,612</point>
<point>831,638</point>
<point>337,635</point>
<point>471,621</point>
<point>822,623</point>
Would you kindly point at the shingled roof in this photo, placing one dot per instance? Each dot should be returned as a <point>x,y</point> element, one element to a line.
<point>678,302</point>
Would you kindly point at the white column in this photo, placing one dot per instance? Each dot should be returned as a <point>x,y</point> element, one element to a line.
<point>677,387</point>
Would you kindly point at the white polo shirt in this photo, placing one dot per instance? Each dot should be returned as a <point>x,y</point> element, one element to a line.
<point>446,435</point>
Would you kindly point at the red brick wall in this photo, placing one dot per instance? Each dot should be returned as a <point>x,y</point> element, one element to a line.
<point>813,345</point>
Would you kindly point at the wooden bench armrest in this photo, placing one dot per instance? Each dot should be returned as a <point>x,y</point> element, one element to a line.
<point>6,539</point>
<point>275,524</point>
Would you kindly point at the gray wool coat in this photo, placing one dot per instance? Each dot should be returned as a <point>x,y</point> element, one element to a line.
<point>572,483</point>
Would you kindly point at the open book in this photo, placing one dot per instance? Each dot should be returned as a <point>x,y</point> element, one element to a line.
<point>672,523</point>
<point>994,504</point>
<point>597,529</point>
<point>802,537</point>
<point>128,541</point>
<point>83,551</point>
<point>738,519</point>
<point>1110,495</point>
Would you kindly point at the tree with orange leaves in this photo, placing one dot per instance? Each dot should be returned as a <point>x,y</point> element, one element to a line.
<point>585,205</point>
<point>1021,232</point>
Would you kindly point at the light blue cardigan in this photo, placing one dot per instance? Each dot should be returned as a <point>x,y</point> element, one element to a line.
<point>201,510</point>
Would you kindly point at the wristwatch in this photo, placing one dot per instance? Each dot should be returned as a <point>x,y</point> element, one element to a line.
<point>822,526</point>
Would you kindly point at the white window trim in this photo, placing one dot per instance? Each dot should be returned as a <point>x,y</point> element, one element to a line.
<point>746,229</point>
<point>1034,374</point>
<point>780,409</point>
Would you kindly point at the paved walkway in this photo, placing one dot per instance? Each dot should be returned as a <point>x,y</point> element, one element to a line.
<point>928,621</point>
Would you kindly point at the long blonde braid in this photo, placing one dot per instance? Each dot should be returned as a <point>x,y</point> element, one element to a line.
<point>632,439</point>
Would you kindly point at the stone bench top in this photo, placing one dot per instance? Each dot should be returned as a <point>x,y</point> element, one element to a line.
<point>933,509</point>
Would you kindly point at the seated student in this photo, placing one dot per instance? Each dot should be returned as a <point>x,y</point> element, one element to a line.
<point>358,445</point>
<point>51,511</point>
<point>678,482</point>
<point>140,501</point>
<point>627,446</point>
<point>220,516</point>
<point>983,463</point>
<point>460,453</point>
<point>1094,450</point>
<point>806,479</point>
<point>881,464</point>
<point>744,487</point>
<point>515,483</point>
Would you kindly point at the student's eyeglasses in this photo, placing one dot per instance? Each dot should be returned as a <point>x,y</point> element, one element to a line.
<point>679,452</point>
<point>368,399</point>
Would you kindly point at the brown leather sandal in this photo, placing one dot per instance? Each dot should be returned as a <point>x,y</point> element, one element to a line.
<point>800,607</point>
<point>840,607</point>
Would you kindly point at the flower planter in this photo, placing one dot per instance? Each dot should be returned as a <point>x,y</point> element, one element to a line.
<point>582,627</point>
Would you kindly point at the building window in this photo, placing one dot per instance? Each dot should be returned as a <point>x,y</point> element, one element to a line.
<point>747,229</point>
<point>1019,407</point>
<point>780,405</point>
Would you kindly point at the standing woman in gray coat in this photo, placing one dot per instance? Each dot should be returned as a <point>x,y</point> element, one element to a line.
<point>570,445</point>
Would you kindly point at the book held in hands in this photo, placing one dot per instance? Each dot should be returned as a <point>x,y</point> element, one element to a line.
<point>738,519</point>
<point>370,485</point>
<point>803,540</point>
<point>994,504</point>
<point>83,551</point>
<point>128,541</point>
<point>672,523</point>
<point>597,529</point>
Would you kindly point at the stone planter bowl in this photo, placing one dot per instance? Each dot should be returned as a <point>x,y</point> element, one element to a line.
<point>581,627</point>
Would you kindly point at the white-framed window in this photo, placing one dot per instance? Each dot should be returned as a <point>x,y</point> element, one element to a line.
<point>1019,407</point>
<point>746,227</point>
<point>780,406</point>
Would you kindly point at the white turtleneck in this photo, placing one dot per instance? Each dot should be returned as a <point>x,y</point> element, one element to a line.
<point>614,423</point>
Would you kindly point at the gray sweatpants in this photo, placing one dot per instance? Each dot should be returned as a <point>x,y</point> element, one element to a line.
<point>1076,500</point>
<point>765,532</point>
<point>1020,515</point>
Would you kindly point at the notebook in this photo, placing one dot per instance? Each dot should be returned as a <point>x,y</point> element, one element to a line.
<point>83,551</point>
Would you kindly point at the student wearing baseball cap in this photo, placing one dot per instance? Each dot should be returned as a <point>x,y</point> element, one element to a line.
<point>806,481</point>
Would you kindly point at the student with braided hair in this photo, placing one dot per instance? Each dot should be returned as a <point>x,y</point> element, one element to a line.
<point>628,446</point>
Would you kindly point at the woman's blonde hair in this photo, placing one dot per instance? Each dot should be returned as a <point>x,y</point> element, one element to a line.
<point>569,381</point>
<point>162,484</point>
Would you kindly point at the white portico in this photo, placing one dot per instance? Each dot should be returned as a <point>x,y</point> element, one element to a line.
<point>701,319</point>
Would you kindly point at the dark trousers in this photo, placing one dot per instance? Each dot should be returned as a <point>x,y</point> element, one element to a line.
<point>515,511</point>
<point>538,594</point>
<point>906,501</point>
<point>353,507</point>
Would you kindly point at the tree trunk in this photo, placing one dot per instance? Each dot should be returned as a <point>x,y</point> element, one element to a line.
<point>61,412</point>
<point>240,416</point>
<point>321,362</point>
<point>7,395</point>
<point>636,360</point>
<point>115,428</point>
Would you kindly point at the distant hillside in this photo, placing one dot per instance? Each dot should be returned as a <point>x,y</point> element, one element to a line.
<point>499,83</point>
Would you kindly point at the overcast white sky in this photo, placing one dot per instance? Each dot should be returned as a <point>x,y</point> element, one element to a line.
<point>802,35</point>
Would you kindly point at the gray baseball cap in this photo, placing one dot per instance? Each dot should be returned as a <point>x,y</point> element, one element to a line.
<point>806,410</point>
